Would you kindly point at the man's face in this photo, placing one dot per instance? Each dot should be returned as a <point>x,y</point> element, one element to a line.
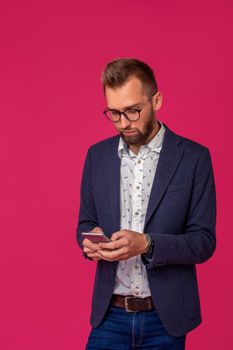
<point>133,95</point>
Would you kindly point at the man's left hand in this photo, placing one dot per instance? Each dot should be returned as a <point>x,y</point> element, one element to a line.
<point>124,245</point>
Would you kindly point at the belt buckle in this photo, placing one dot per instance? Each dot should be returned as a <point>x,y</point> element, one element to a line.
<point>126,304</point>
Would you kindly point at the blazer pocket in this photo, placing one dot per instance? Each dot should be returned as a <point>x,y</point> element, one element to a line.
<point>177,185</point>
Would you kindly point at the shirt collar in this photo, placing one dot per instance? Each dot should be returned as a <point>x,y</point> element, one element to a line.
<point>154,145</point>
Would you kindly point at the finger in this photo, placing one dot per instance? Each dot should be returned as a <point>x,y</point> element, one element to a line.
<point>94,256</point>
<point>88,250</point>
<point>97,229</point>
<point>117,235</point>
<point>88,244</point>
<point>121,257</point>
<point>112,254</point>
<point>91,253</point>
<point>113,245</point>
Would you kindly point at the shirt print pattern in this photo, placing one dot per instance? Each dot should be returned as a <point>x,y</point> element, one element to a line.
<point>137,175</point>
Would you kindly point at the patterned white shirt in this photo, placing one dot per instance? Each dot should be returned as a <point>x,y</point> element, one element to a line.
<point>137,175</point>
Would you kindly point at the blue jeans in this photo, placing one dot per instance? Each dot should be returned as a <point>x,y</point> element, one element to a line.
<point>131,331</point>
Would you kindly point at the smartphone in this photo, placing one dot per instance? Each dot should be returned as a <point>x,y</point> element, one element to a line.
<point>96,237</point>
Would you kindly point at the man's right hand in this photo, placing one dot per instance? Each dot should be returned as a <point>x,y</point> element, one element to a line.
<point>91,248</point>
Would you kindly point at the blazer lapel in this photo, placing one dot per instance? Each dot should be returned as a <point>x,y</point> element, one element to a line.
<point>112,175</point>
<point>169,159</point>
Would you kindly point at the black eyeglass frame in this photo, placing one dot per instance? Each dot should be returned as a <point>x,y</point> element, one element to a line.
<point>124,114</point>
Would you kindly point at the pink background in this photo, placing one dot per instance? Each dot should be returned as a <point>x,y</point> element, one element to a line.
<point>51,102</point>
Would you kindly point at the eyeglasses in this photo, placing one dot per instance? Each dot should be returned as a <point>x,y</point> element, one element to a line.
<point>131,114</point>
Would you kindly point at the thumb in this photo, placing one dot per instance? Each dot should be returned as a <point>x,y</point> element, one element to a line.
<point>97,229</point>
<point>117,235</point>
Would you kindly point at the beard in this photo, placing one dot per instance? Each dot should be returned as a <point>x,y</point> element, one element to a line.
<point>141,137</point>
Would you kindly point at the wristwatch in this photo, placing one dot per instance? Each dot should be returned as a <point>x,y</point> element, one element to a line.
<point>147,256</point>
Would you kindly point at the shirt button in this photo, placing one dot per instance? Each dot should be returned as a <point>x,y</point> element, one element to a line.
<point>139,162</point>
<point>136,213</point>
<point>137,187</point>
<point>137,293</point>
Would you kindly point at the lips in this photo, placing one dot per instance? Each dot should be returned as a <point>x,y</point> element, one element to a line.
<point>129,132</point>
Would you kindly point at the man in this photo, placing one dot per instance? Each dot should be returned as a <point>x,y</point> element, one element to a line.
<point>153,193</point>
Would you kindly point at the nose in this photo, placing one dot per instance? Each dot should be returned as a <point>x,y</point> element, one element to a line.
<point>124,122</point>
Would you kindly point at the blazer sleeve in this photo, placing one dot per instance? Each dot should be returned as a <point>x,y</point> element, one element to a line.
<point>87,218</point>
<point>198,241</point>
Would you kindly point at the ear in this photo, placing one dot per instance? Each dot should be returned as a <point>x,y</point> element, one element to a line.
<point>157,101</point>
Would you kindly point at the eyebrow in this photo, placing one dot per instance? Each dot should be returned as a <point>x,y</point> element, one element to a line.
<point>135,105</point>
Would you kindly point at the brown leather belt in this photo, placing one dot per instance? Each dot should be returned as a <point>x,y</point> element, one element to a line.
<point>132,304</point>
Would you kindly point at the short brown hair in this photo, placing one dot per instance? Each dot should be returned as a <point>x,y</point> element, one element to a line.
<point>118,71</point>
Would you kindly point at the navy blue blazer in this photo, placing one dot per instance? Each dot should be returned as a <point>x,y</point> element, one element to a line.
<point>181,217</point>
